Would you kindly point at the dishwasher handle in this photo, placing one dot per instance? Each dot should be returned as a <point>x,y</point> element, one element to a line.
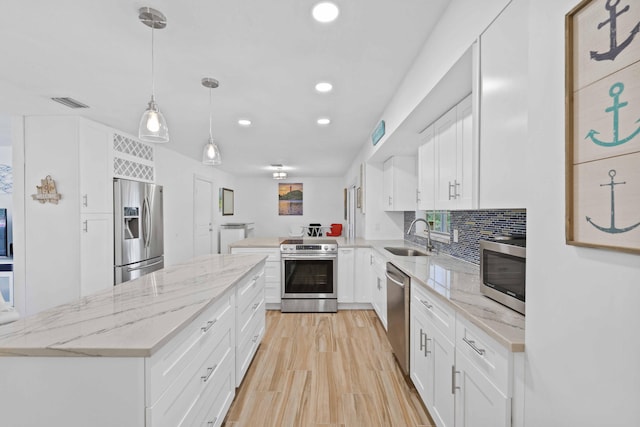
<point>401,284</point>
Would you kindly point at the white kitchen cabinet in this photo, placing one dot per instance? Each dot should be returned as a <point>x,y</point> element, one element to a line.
<point>432,356</point>
<point>453,135</point>
<point>427,170</point>
<point>96,253</point>
<point>346,275</point>
<point>378,283</point>
<point>362,289</point>
<point>399,183</point>
<point>250,320</point>
<point>479,403</point>
<point>504,110</point>
<point>96,185</point>
<point>272,272</point>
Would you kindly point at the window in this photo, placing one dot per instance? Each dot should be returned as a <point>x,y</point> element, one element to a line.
<point>439,221</point>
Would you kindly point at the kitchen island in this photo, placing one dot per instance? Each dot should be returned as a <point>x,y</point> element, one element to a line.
<point>166,349</point>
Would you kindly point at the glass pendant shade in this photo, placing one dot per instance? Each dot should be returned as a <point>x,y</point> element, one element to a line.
<point>211,153</point>
<point>153,126</point>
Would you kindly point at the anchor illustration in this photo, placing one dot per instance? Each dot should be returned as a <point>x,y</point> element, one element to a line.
<point>612,228</point>
<point>614,47</point>
<point>614,92</point>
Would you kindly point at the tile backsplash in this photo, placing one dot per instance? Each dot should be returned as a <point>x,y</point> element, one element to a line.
<point>472,226</point>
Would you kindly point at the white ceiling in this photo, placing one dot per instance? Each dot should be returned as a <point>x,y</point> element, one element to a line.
<point>267,55</point>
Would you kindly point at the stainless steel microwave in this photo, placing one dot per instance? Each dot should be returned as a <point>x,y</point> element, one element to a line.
<point>503,271</point>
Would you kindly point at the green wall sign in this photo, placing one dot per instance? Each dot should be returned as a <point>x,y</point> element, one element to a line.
<point>378,132</point>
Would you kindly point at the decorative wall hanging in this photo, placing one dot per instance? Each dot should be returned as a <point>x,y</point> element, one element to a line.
<point>47,191</point>
<point>603,125</point>
<point>227,201</point>
<point>290,199</point>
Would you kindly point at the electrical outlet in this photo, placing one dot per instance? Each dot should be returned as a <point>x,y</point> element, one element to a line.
<point>455,236</point>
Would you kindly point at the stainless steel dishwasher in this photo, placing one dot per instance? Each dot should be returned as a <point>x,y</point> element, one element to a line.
<point>398,300</point>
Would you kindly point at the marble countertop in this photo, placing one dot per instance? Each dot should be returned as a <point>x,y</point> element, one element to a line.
<point>452,280</point>
<point>133,319</point>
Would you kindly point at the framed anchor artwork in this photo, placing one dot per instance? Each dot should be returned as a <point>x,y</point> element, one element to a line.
<point>603,125</point>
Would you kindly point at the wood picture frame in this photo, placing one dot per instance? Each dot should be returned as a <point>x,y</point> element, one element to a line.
<point>227,202</point>
<point>602,138</point>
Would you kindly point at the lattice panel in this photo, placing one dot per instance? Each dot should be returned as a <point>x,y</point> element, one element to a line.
<point>134,148</point>
<point>130,169</point>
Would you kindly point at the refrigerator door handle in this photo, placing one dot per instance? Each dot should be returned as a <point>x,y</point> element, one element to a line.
<point>145,266</point>
<point>146,222</point>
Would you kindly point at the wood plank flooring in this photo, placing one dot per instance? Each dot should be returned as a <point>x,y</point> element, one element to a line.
<point>325,370</point>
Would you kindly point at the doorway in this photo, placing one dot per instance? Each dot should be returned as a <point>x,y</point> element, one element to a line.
<point>203,242</point>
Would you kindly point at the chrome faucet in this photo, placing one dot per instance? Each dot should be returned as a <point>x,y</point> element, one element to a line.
<point>413,223</point>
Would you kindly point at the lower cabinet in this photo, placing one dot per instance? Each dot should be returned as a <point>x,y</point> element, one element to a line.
<point>96,253</point>
<point>272,272</point>
<point>346,275</point>
<point>378,283</point>
<point>431,361</point>
<point>464,377</point>
<point>190,381</point>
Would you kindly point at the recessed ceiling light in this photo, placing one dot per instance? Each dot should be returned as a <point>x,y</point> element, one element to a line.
<point>323,121</point>
<point>244,122</point>
<point>324,87</point>
<point>325,12</point>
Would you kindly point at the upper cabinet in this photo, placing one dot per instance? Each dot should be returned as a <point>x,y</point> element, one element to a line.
<point>96,189</point>
<point>446,161</point>
<point>503,109</point>
<point>399,183</point>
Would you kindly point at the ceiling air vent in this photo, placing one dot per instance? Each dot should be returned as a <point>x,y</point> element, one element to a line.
<point>70,102</point>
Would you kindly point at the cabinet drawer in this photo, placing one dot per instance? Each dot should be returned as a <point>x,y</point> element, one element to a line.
<point>203,334</point>
<point>272,272</point>
<point>255,307</point>
<point>272,254</point>
<point>442,316</point>
<point>177,405</point>
<point>248,344</point>
<point>488,356</point>
<point>248,290</point>
<point>216,400</point>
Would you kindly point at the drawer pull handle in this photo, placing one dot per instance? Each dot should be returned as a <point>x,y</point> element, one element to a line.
<point>255,338</point>
<point>426,304</point>
<point>422,344</point>
<point>472,344</point>
<point>212,423</point>
<point>426,346</point>
<point>256,305</point>
<point>210,323</point>
<point>210,371</point>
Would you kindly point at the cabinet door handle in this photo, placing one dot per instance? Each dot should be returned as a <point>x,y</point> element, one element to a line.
<point>417,196</point>
<point>209,324</point>
<point>426,346</point>
<point>85,226</point>
<point>451,186</point>
<point>210,371</point>
<point>256,305</point>
<point>85,200</point>
<point>422,344</point>
<point>456,186</point>
<point>453,379</point>
<point>426,304</point>
<point>472,344</point>
<point>212,423</point>
<point>255,338</point>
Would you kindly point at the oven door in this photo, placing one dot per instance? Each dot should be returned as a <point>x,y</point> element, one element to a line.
<point>308,276</point>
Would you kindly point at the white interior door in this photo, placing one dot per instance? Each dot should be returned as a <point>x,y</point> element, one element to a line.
<point>203,216</point>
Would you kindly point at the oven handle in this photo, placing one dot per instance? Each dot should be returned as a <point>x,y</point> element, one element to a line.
<point>308,257</point>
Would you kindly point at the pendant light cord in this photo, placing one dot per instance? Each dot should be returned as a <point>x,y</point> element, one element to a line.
<point>153,87</point>
<point>210,114</point>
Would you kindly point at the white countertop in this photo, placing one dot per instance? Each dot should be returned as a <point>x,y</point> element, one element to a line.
<point>454,281</point>
<point>132,319</point>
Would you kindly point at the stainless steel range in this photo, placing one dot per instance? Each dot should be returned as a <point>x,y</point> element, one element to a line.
<point>309,276</point>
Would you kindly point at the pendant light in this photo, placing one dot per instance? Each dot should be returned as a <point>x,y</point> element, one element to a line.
<point>153,126</point>
<point>210,153</point>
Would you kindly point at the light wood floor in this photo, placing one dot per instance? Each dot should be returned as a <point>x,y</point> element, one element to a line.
<point>329,370</point>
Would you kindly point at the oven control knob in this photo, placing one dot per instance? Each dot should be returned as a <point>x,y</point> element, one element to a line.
<point>325,248</point>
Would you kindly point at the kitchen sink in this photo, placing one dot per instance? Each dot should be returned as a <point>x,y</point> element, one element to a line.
<point>406,251</point>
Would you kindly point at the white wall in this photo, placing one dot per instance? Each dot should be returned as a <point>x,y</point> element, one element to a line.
<point>175,172</point>
<point>582,346</point>
<point>256,200</point>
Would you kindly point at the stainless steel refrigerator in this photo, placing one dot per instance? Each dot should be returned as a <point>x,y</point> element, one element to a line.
<point>139,241</point>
